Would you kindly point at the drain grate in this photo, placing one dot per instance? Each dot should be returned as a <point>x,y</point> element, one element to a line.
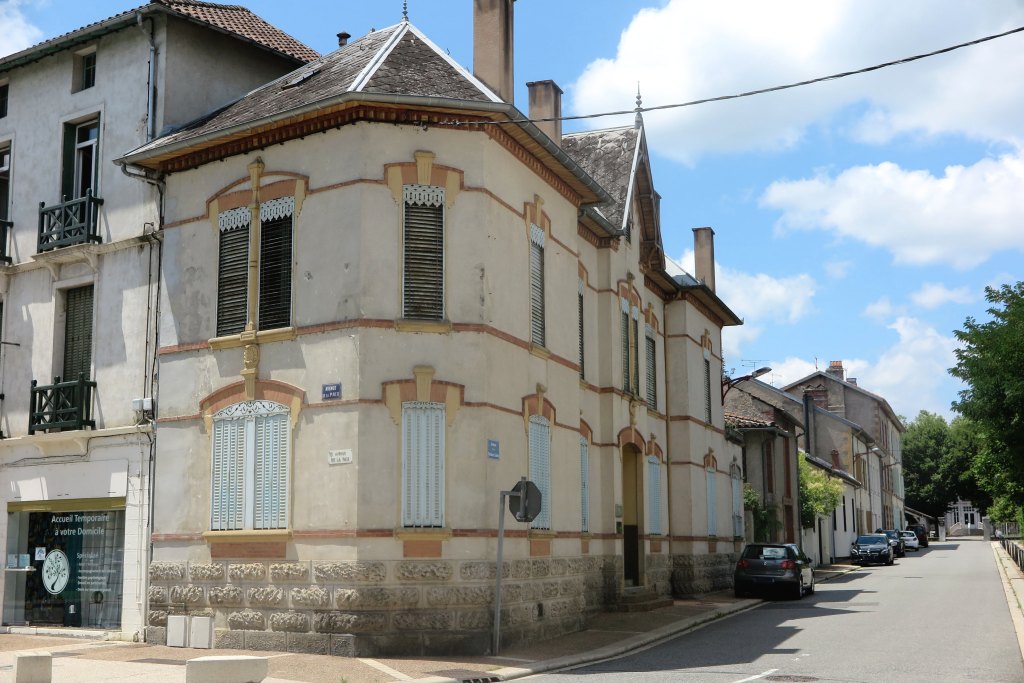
<point>467,676</point>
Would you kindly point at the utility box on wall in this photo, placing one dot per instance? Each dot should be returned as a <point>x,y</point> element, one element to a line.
<point>177,631</point>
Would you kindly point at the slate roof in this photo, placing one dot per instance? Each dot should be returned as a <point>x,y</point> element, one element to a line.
<point>232,19</point>
<point>746,422</point>
<point>399,59</point>
<point>856,387</point>
<point>609,156</point>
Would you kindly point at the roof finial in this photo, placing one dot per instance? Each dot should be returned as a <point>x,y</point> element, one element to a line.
<point>405,10</point>
<point>638,121</point>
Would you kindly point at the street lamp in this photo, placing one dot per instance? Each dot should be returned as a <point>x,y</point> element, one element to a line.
<point>728,384</point>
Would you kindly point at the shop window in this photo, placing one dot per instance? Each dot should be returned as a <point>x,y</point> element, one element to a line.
<point>540,467</point>
<point>250,467</point>
<point>423,252</point>
<point>423,427</point>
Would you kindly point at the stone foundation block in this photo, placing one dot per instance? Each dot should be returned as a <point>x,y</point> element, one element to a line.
<point>157,617</point>
<point>226,595</point>
<point>266,596</point>
<point>206,572</point>
<point>347,572</point>
<point>422,621</point>
<point>289,571</point>
<point>157,595</point>
<point>482,571</point>
<point>247,571</point>
<point>376,598</point>
<point>442,596</point>
<point>189,595</point>
<point>349,622</point>
<point>265,640</point>
<point>294,622</point>
<point>33,667</point>
<point>424,571</point>
<point>520,569</point>
<point>313,596</point>
<point>166,571</point>
<point>343,645</point>
<point>156,635</point>
<point>309,643</point>
<point>247,620</point>
<point>224,639</point>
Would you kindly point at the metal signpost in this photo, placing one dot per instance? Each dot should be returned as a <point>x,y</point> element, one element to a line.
<point>524,503</point>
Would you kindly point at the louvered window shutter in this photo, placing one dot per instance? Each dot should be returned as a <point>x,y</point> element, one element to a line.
<point>537,286</point>
<point>584,486</point>
<point>232,273</point>
<point>737,507</point>
<point>78,333</point>
<point>625,351</point>
<point>712,503</point>
<point>654,494</point>
<point>423,427</point>
<point>540,468</point>
<point>580,320</point>
<point>270,507</point>
<point>636,355</point>
<point>275,307</point>
<point>423,244</point>
<point>652,369</point>
<point>227,496</point>
<point>707,391</point>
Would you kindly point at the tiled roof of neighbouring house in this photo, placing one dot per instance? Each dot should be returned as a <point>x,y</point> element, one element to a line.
<point>746,422</point>
<point>398,60</point>
<point>232,19</point>
<point>608,156</point>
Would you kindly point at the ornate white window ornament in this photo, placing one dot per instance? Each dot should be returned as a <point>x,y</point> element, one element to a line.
<point>232,219</point>
<point>537,235</point>
<point>273,209</point>
<point>248,408</point>
<point>424,195</point>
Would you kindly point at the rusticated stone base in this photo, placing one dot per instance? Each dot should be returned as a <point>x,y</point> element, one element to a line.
<point>694,574</point>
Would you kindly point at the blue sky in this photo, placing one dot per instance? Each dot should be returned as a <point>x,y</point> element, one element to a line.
<point>856,220</point>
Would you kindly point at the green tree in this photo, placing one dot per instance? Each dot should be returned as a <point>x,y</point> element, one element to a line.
<point>926,477</point>
<point>991,362</point>
<point>819,493</point>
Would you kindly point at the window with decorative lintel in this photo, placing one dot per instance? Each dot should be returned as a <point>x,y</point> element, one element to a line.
<point>423,252</point>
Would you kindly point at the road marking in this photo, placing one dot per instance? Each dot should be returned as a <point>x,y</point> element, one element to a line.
<point>383,668</point>
<point>769,672</point>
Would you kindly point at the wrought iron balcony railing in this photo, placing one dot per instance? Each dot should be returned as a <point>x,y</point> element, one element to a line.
<point>71,222</point>
<point>5,231</point>
<point>61,405</point>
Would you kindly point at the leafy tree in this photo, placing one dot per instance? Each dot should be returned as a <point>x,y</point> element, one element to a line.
<point>991,363</point>
<point>819,493</point>
<point>765,521</point>
<point>926,477</point>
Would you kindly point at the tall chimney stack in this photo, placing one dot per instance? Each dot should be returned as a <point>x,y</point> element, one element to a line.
<point>835,369</point>
<point>546,103</point>
<point>492,46</point>
<point>704,256</point>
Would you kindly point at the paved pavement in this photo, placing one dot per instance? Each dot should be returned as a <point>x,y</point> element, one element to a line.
<point>608,635</point>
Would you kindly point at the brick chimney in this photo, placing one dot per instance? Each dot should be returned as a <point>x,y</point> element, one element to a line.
<point>704,256</point>
<point>835,369</point>
<point>492,46</point>
<point>546,103</point>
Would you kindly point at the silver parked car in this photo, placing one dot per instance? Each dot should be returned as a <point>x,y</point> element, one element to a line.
<point>774,566</point>
<point>910,540</point>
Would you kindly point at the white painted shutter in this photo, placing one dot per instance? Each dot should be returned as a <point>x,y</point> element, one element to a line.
<point>712,503</point>
<point>654,495</point>
<point>537,332</point>
<point>423,244</point>
<point>423,464</point>
<point>540,468</point>
<point>584,485</point>
<point>270,509</point>
<point>737,508</point>
<point>227,506</point>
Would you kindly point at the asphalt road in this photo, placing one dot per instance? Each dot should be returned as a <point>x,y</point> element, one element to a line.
<point>938,614</point>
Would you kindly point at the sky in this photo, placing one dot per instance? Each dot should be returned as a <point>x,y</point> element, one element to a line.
<point>857,220</point>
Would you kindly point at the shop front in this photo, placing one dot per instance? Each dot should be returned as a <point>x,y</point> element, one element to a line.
<point>66,567</point>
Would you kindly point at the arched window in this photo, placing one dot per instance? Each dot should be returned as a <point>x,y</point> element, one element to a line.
<point>250,467</point>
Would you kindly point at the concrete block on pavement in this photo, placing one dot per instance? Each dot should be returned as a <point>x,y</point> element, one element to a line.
<point>33,667</point>
<point>226,669</point>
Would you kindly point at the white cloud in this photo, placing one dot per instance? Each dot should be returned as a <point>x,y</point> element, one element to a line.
<point>789,370</point>
<point>18,33</point>
<point>838,270</point>
<point>689,50</point>
<point>959,218</point>
<point>934,294</point>
<point>882,309</point>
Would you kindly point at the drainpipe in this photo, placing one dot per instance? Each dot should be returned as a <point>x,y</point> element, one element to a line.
<point>151,96</point>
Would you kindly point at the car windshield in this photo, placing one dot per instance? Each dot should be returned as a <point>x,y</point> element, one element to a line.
<point>909,534</point>
<point>764,552</point>
<point>870,540</point>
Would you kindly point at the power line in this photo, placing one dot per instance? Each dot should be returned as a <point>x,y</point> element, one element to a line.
<point>750,93</point>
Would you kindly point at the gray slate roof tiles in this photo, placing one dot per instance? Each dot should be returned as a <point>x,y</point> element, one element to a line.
<point>607,155</point>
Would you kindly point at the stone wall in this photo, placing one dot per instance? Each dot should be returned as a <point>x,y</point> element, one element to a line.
<point>378,608</point>
<point>694,574</point>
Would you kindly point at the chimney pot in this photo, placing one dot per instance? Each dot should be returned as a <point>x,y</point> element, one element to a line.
<point>492,46</point>
<point>835,369</point>
<point>546,103</point>
<point>704,256</point>
<point>343,38</point>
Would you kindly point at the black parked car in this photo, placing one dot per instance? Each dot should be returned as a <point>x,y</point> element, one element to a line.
<point>774,565</point>
<point>895,540</point>
<point>871,549</point>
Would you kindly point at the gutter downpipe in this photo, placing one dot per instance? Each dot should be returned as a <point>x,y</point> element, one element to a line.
<point>151,95</point>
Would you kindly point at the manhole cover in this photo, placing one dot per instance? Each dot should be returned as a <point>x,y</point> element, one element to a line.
<point>791,679</point>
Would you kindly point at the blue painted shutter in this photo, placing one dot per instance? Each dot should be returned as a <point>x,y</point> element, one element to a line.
<point>227,504</point>
<point>654,495</point>
<point>584,485</point>
<point>540,467</point>
<point>270,507</point>
<point>423,427</point>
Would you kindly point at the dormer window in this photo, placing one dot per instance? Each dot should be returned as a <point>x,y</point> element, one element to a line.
<point>84,75</point>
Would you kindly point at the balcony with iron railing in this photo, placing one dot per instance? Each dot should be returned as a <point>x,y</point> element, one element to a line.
<point>74,221</point>
<point>5,232</point>
<point>61,405</point>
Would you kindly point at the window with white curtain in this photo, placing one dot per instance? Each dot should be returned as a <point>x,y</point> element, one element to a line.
<point>251,467</point>
<point>423,425</point>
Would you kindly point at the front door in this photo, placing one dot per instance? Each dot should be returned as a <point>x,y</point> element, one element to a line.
<point>632,520</point>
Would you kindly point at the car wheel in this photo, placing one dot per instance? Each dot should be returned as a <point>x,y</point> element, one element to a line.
<point>799,588</point>
<point>810,589</point>
<point>892,559</point>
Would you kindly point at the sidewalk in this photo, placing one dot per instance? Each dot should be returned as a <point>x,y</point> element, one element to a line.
<point>608,635</point>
